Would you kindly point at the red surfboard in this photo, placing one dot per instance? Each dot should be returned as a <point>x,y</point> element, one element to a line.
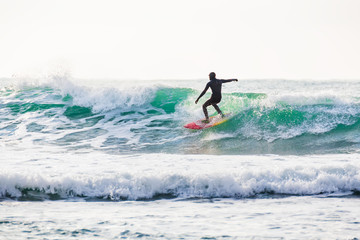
<point>213,121</point>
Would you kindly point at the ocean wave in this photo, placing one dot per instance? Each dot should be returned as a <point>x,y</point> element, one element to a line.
<point>127,186</point>
<point>150,118</point>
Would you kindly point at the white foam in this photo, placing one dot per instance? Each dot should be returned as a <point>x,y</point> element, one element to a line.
<point>217,136</point>
<point>236,184</point>
<point>146,176</point>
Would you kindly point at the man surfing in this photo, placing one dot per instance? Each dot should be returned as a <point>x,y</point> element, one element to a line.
<point>215,85</point>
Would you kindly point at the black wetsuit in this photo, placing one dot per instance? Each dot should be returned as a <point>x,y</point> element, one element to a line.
<point>215,85</point>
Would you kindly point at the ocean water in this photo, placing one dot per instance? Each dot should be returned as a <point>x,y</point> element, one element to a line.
<point>96,159</point>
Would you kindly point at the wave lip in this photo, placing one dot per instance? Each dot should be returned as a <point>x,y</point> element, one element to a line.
<point>126,186</point>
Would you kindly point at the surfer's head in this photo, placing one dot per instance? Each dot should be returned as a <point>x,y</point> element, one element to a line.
<point>212,76</point>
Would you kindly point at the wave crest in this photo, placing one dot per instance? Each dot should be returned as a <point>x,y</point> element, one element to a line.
<point>126,186</point>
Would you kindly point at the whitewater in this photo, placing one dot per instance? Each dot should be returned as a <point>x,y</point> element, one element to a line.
<point>101,159</point>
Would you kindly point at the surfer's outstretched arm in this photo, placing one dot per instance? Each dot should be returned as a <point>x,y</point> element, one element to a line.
<point>229,80</point>
<point>203,92</point>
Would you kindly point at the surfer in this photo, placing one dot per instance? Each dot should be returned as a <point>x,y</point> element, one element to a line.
<point>215,85</point>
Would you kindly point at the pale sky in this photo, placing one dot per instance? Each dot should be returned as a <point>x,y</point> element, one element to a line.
<point>184,39</point>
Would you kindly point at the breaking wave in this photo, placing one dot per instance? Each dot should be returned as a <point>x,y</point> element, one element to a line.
<point>150,119</point>
<point>127,186</point>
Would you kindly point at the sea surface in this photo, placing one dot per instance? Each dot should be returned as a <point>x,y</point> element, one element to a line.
<point>110,159</point>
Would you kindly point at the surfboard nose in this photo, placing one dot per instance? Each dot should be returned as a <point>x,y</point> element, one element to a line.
<point>192,126</point>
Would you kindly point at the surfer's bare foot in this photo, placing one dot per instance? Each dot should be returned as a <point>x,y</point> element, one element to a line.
<point>205,121</point>
<point>222,115</point>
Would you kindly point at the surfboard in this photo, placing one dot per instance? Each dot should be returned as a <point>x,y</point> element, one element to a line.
<point>213,121</point>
